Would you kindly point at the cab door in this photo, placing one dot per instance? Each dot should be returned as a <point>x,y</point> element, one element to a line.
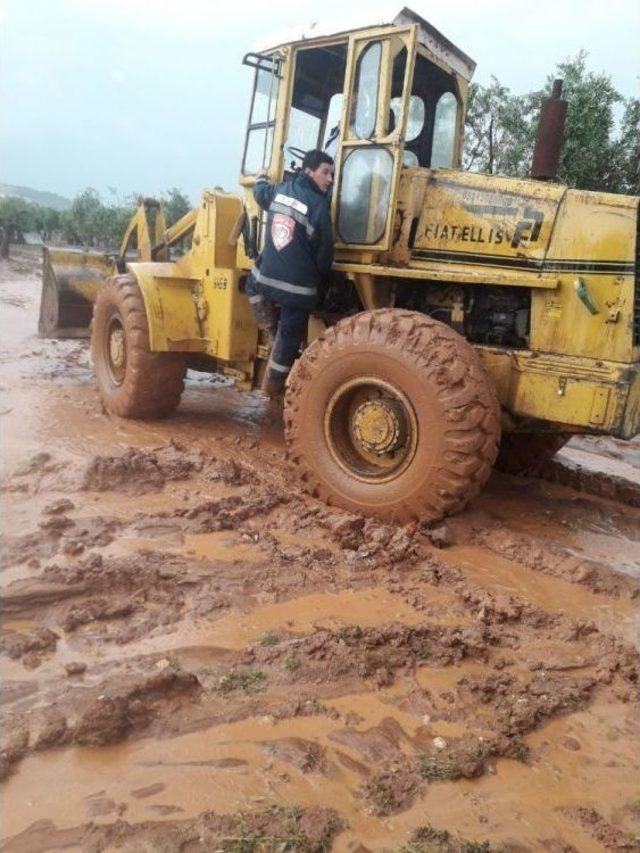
<point>379,73</point>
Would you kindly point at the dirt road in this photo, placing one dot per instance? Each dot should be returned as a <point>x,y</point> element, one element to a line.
<point>197,657</point>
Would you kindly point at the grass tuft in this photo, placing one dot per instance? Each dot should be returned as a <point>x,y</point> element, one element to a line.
<point>269,639</point>
<point>251,681</point>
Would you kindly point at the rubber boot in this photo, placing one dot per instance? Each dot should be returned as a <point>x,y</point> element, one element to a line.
<point>273,384</point>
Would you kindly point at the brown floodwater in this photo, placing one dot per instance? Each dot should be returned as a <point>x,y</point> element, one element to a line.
<point>273,593</point>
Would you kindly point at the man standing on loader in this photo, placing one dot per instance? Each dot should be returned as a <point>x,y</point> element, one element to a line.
<point>297,255</point>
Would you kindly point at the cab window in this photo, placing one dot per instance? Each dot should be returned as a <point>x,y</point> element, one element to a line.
<point>364,195</point>
<point>444,131</point>
<point>365,93</point>
<point>433,117</point>
<point>262,120</point>
<point>316,101</point>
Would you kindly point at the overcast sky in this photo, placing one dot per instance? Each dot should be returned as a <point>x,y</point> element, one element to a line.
<point>142,95</point>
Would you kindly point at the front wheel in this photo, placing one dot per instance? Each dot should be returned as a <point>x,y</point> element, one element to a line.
<point>390,413</point>
<point>133,382</point>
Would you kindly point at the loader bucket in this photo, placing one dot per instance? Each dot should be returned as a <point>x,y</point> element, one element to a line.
<point>70,281</point>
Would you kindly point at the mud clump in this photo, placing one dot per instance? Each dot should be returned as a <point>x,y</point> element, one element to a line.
<point>137,471</point>
<point>429,839</point>
<point>310,830</point>
<point>233,473</point>
<point>12,750</point>
<point>146,570</point>
<point>95,610</point>
<point>460,758</point>
<point>58,507</point>
<point>614,657</point>
<point>440,536</point>
<point>226,513</point>
<point>556,561</point>
<point>375,652</point>
<point>302,707</point>
<point>15,644</point>
<point>609,836</point>
<point>110,719</point>
<point>346,530</point>
<point>396,785</point>
<point>515,709</point>
<point>59,534</point>
<point>489,608</point>
<point>518,708</point>
<point>392,789</point>
<point>306,755</point>
<point>372,542</point>
<point>53,730</point>
<point>40,463</point>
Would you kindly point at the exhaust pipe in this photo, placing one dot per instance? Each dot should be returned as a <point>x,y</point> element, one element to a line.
<point>550,135</point>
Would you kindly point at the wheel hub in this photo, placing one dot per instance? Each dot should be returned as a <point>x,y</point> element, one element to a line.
<point>116,353</point>
<point>116,348</point>
<point>376,426</point>
<point>371,429</point>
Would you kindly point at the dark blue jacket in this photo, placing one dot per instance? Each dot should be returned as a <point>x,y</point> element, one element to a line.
<point>298,247</point>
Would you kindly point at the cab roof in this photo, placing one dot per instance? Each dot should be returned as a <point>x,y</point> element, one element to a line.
<point>431,38</point>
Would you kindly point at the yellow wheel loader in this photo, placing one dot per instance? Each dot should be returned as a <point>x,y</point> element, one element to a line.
<point>465,312</point>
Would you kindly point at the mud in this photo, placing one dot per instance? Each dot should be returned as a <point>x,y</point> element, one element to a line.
<point>212,660</point>
<point>273,829</point>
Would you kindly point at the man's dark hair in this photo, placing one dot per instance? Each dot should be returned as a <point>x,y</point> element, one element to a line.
<point>313,159</point>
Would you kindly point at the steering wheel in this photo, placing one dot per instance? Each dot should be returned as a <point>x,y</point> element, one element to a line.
<point>297,152</point>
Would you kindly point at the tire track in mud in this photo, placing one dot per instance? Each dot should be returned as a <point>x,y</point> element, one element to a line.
<point>124,600</point>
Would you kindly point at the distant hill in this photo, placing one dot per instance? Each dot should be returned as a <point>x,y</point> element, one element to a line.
<point>59,202</point>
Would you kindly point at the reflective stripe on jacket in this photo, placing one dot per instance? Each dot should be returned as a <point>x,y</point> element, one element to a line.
<point>298,247</point>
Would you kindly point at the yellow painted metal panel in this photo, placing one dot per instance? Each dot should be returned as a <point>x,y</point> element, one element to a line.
<point>580,392</point>
<point>595,232</point>
<point>193,304</point>
<point>485,219</point>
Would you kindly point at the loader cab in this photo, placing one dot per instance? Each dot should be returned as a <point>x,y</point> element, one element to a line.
<point>378,100</point>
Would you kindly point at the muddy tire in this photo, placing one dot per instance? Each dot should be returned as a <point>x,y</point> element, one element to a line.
<point>390,413</point>
<point>133,382</point>
<point>526,454</point>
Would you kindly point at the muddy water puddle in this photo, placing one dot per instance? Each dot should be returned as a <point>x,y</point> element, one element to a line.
<point>368,607</point>
<point>225,768</point>
<point>581,758</point>
<point>200,639</point>
<point>219,547</point>
<point>584,526</point>
<point>252,763</point>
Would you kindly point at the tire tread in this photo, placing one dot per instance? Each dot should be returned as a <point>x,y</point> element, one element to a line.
<point>447,361</point>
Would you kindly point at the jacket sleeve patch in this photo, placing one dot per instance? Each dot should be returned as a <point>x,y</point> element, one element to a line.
<point>282,230</point>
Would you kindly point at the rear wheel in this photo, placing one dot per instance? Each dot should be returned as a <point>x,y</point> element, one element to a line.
<point>133,382</point>
<point>526,454</point>
<point>391,414</point>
